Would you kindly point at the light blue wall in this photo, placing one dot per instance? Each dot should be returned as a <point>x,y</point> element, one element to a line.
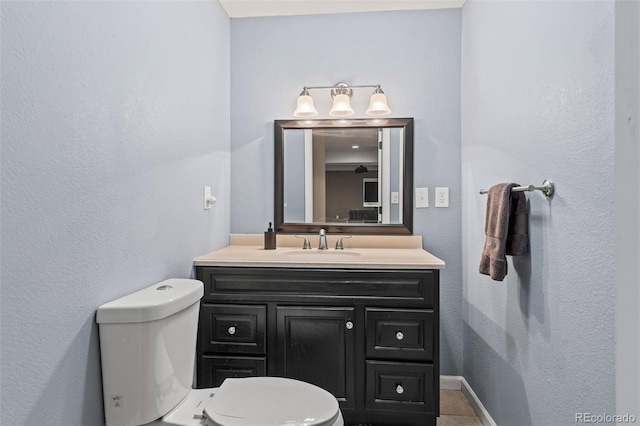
<point>114,116</point>
<point>538,103</point>
<point>415,56</point>
<point>627,207</point>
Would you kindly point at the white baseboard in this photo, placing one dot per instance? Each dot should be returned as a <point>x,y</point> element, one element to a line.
<point>459,383</point>
<point>451,382</point>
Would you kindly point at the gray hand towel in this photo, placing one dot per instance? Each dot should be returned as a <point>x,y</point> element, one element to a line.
<point>517,236</point>
<point>505,229</point>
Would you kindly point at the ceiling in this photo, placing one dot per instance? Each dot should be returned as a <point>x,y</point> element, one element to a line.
<point>255,8</point>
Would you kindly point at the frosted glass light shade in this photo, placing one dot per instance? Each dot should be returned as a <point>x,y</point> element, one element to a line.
<point>341,106</point>
<point>305,107</point>
<point>378,105</point>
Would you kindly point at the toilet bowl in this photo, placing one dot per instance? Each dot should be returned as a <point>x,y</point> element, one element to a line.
<point>147,350</point>
<point>256,401</point>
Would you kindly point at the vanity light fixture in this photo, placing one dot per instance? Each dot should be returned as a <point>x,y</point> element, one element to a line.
<point>305,106</point>
<point>341,94</point>
<point>378,103</point>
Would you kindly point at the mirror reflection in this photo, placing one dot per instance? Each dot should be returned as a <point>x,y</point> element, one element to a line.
<point>345,173</point>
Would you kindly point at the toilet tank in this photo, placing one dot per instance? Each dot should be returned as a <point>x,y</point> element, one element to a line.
<point>147,349</point>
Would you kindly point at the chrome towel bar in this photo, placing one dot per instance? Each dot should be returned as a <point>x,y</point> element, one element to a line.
<point>547,188</point>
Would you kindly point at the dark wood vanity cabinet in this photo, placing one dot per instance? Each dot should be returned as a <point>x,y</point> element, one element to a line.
<point>370,337</point>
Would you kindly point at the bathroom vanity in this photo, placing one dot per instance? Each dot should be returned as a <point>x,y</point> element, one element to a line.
<point>361,323</point>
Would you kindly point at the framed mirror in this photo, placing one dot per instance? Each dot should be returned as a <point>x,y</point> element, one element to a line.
<point>346,176</point>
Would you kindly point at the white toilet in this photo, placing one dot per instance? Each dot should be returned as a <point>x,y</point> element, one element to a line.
<point>147,345</point>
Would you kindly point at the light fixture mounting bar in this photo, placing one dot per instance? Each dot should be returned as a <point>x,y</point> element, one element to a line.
<point>342,88</point>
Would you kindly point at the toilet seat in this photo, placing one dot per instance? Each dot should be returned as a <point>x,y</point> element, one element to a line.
<point>271,401</point>
<point>256,401</point>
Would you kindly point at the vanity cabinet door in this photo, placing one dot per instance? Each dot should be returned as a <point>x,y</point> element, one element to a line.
<point>316,345</point>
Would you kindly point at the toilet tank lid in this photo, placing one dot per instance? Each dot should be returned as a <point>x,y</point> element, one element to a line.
<point>152,303</point>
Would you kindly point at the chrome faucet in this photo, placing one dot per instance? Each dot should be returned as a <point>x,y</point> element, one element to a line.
<point>322,245</point>
<point>307,244</point>
<point>339,245</point>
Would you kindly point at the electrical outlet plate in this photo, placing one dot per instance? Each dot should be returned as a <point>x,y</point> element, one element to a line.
<point>442,196</point>
<point>422,198</point>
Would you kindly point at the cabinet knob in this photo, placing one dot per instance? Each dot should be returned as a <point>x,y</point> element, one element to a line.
<point>231,330</point>
<point>399,389</point>
<point>349,325</point>
<point>399,335</point>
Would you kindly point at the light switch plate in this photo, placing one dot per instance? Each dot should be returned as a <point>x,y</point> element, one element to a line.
<point>394,198</point>
<point>208,198</point>
<point>422,198</point>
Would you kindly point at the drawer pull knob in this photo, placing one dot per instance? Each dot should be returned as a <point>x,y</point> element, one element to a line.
<point>349,325</point>
<point>399,389</point>
<point>231,330</point>
<point>399,335</point>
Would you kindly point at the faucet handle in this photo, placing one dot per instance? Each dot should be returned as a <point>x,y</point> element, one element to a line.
<point>306,245</point>
<point>339,245</point>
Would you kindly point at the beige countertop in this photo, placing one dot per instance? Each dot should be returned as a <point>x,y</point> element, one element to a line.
<point>360,252</point>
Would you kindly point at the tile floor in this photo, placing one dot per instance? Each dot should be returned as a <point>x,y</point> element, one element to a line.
<point>455,410</point>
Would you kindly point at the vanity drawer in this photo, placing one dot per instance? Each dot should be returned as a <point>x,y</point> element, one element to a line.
<point>215,369</point>
<point>402,334</point>
<point>233,328</point>
<point>400,386</point>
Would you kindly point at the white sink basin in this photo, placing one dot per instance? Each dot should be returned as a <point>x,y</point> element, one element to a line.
<point>314,252</point>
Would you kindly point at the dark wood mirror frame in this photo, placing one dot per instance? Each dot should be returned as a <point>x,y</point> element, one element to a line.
<point>406,227</point>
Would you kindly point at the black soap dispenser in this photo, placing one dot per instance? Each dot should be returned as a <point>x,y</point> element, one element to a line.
<point>269,239</point>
